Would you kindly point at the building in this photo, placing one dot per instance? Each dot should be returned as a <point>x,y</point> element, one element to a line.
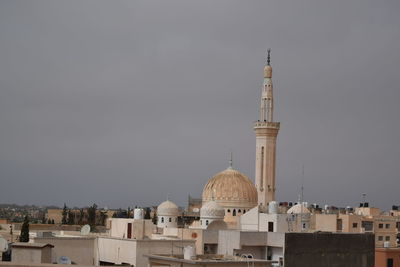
<point>206,261</point>
<point>300,249</point>
<point>23,252</point>
<point>387,257</point>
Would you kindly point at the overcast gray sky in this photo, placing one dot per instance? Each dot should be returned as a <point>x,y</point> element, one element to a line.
<point>122,102</point>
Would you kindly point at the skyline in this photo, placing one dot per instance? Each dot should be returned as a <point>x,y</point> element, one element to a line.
<point>120,104</point>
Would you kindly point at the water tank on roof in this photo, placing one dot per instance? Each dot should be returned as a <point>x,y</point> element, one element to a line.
<point>189,253</point>
<point>138,214</point>
<point>273,207</point>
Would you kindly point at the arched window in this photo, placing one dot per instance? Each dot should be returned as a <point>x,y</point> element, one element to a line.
<point>162,219</point>
<point>206,222</point>
<point>244,211</point>
<point>170,219</point>
<point>234,212</point>
<point>229,210</point>
<point>239,211</point>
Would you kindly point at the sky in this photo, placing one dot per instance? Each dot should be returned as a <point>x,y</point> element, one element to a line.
<point>121,103</point>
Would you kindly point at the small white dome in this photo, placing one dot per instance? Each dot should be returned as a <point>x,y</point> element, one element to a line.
<point>212,210</point>
<point>168,208</point>
<point>298,209</point>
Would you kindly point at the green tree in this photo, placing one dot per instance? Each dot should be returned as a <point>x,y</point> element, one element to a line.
<point>147,215</point>
<point>24,237</point>
<point>71,217</point>
<point>81,214</point>
<point>103,217</point>
<point>92,216</point>
<point>64,219</point>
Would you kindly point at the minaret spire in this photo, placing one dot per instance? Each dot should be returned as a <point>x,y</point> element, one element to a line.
<point>266,132</point>
<point>231,162</point>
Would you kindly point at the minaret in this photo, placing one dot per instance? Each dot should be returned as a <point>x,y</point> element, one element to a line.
<point>266,132</point>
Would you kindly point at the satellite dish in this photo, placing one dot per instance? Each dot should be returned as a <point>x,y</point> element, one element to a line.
<point>64,260</point>
<point>85,230</point>
<point>3,245</point>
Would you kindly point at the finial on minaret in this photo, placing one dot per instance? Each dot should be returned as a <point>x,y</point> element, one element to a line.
<point>269,57</point>
<point>231,162</point>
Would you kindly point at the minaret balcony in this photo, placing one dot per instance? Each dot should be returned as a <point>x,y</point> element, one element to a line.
<point>267,124</point>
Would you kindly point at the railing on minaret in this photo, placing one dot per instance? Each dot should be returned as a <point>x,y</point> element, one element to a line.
<point>266,132</point>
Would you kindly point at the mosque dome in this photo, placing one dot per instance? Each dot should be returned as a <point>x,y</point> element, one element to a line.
<point>212,210</point>
<point>230,188</point>
<point>298,209</point>
<point>168,208</point>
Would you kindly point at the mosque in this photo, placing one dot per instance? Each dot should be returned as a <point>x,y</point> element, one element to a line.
<point>229,193</point>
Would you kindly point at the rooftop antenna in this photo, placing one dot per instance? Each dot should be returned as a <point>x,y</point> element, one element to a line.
<point>364,195</point>
<point>302,183</point>
<point>268,56</point>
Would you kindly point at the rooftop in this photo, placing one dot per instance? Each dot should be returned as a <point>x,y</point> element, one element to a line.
<point>211,258</point>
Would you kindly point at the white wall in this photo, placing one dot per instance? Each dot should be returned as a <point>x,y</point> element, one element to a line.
<point>167,221</point>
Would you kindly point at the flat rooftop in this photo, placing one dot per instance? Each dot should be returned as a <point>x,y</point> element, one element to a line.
<point>202,259</point>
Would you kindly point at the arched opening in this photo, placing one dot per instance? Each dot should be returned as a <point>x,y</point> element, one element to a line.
<point>239,211</point>
<point>229,211</point>
<point>170,219</point>
<point>162,219</point>
<point>206,222</point>
<point>234,212</point>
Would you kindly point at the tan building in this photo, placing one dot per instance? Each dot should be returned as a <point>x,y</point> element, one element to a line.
<point>31,252</point>
<point>80,250</point>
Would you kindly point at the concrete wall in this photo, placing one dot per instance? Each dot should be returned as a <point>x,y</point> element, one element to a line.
<point>33,255</point>
<point>139,228</point>
<point>81,250</point>
<point>328,250</point>
<point>131,251</point>
<point>324,222</point>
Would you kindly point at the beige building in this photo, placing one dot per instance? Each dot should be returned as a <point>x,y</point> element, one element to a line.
<point>80,250</point>
<point>131,228</point>
<point>31,252</point>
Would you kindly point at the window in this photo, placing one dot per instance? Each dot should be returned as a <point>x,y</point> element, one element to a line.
<point>380,238</point>
<point>170,220</point>
<point>387,226</point>
<point>229,211</point>
<point>355,225</point>
<point>380,225</point>
<point>387,238</point>
<point>270,226</point>
<point>304,226</point>
<point>389,263</point>
<point>239,211</point>
<point>206,222</point>
<point>162,219</point>
<point>234,213</point>
<point>244,211</point>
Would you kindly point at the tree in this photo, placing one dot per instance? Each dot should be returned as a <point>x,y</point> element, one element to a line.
<point>24,237</point>
<point>81,214</point>
<point>147,215</point>
<point>71,217</point>
<point>64,214</point>
<point>103,217</point>
<point>92,216</point>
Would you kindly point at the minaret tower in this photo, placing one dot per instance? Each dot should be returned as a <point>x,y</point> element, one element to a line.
<point>266,132</point>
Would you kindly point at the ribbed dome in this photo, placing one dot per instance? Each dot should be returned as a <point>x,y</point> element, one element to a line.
<point>168,208</point>
<point>230,188</point>
<point>298,209</point>
<point>212,210</point>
